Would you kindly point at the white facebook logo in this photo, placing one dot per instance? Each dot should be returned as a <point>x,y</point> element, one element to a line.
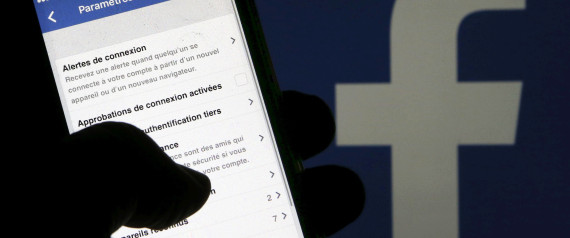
<point>424,113</point>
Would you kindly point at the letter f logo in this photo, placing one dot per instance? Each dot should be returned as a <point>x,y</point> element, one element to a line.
<point>424,113</point>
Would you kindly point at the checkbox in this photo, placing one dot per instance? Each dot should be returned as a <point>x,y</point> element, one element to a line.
<point>241,79</point>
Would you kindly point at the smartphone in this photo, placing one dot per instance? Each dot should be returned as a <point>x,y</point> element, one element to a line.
<point>195,76</point>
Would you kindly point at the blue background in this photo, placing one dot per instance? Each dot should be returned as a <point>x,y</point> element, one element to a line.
<point>505,191</point>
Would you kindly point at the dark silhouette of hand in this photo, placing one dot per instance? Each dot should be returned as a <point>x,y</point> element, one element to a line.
<point>112,174</point>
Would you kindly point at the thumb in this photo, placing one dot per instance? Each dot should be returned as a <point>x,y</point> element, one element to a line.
<point>130,180</point>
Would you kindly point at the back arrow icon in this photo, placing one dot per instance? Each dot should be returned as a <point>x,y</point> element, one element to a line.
<point>51,17</point>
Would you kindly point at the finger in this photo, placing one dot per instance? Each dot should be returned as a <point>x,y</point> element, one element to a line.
<point>308,123</point>
<point>331,197</point>
<point>174,192</point>
<point>144,185</point>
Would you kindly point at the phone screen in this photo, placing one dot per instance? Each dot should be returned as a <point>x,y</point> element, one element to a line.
<point>181,71</point>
